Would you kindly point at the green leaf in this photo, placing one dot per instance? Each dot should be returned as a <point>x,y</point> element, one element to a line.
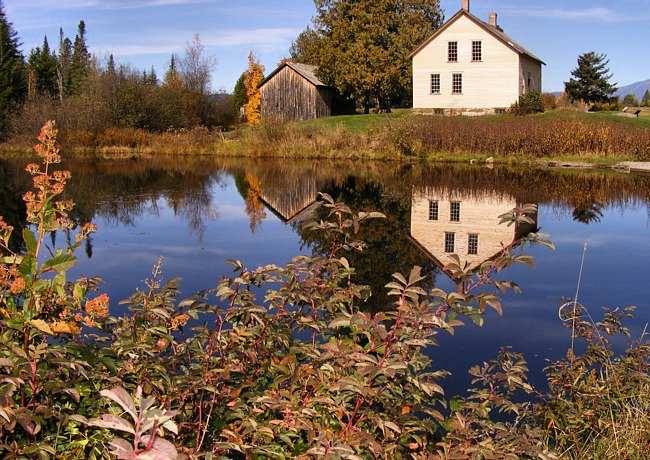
<point>27,266</point>
<point>30,240</point>
<point>41,326</point>
<point>59,263</point>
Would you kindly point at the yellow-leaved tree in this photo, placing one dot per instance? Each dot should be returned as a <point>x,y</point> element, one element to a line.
<point>253,77</point>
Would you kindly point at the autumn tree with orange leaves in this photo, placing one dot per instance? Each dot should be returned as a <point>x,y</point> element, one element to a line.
<point>252,78</point>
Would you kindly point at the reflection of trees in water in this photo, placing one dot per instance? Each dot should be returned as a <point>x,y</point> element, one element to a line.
<point>588,212</point>
<point>123,191</point>
<point>388,248</point>
<point>12,207</point>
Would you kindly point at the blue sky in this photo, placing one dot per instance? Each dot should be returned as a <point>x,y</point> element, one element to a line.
<point>144,33</point>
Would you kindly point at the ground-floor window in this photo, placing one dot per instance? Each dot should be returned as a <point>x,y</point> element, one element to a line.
<point>457,83</point>
<point>435,83</point>
<point>449,242</point>
<point>472,243</point>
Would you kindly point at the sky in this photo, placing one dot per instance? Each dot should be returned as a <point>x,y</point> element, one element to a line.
<point>144,33</point>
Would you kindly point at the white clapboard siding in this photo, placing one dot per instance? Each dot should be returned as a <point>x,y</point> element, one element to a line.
<point>495,82</point>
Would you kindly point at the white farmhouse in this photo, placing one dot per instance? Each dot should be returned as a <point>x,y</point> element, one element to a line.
<point>471,67</point>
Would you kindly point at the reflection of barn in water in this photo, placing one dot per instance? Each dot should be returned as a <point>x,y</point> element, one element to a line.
<point>445,223</point>
<point>294,201</point>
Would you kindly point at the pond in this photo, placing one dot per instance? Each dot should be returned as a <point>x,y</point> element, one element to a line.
<point>196,213</point>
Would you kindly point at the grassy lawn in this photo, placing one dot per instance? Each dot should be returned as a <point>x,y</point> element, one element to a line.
<point>356,123</point>
<point>363,123</point>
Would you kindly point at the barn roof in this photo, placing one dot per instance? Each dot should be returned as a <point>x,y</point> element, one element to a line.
<point>306,71</point>
<point>497,32</point>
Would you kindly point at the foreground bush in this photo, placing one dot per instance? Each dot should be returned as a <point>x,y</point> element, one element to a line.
<point>276,362</point>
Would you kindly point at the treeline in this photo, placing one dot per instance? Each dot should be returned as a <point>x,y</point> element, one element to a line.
<point>88,96</point>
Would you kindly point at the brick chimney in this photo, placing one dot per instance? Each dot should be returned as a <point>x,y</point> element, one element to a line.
<point>493,19</point>
<point>466,5</point>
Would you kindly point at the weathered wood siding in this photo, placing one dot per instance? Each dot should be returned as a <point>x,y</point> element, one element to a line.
<point>493,82</point>
<point>296,194</point>
<point>292,97</point>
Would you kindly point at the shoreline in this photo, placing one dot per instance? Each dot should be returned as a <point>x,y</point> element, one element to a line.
<point>560,163</point>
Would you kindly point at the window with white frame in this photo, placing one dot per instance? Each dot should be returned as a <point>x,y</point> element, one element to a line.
<point>472,243</point>
<point>452,51</point>
<point>455,211</point>
<point>433,210</point>
<point>457,83</point>
<point>477,51</point>
<point>435,83</point>
<point>449,242</point>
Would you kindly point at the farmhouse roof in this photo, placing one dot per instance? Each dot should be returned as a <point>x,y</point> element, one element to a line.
<point>306,71</point>
<point>495,31</point>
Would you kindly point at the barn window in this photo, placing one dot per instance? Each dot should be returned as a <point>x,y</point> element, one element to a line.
<point>449,241</point>
<point>477,51</point>
<point>435,83</point>
<point>452,52</point>
<point>433,210</point>
<point>472,243</point>
<point>455,211</point>
<point>457,83</point>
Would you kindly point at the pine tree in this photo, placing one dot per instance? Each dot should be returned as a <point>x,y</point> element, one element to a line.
<point>591,84</point>
<point>42,64</point>
<point>13,76</point>
<point>64,66</point>
<point>171,76</point>
<point>645,102</point>
<point>80,67</point>
<point>110,67</point>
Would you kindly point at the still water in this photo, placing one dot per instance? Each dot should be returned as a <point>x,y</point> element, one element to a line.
<point>197,213</point>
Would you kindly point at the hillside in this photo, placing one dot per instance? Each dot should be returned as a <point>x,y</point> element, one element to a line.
<point>638,89</point>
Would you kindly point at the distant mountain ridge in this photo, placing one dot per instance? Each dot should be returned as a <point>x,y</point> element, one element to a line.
<point>638,89</point>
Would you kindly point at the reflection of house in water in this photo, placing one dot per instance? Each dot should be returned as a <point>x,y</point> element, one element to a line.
<point>444,223</point>
<point>294,201</point>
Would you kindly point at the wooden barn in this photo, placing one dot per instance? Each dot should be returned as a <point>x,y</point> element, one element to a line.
<point>294,92</point>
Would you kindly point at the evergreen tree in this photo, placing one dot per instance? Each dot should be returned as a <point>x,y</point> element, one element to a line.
<point>171,76</point>
<point>362,46</point>
<point>645,102</point>
<point>81,61</point>
<point>153,77</point>
<point>110,67</point>
<point>591,83</point>
<point>42,64</point>
<point>64,66</point>
<point>239,95</point>
<point>13,76</point>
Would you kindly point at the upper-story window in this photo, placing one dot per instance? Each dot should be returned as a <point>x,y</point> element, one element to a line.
<point>457,83</point>
<point>433,210</point>
<point>435,83</point>
<point>452,51</point>
<point>455,211</point>
<point>477,51</point>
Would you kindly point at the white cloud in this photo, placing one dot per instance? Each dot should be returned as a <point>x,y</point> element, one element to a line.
<point>263,37</point>
<point>266,39</point>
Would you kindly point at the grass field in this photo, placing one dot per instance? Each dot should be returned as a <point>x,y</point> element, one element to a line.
<point>363,123</point>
